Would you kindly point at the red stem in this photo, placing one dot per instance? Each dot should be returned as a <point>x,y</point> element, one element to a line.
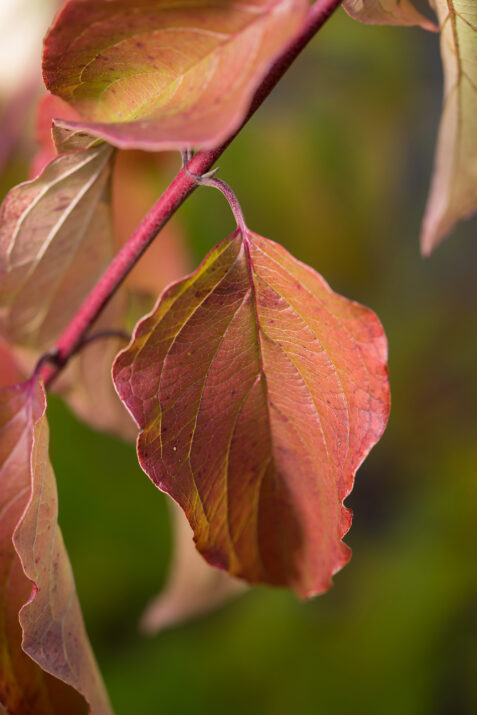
<point>176,193</point>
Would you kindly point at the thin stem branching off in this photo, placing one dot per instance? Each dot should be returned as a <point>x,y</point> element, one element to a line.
<point>232,200</point>
<point>176,193</point>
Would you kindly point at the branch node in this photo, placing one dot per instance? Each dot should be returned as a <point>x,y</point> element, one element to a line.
<point>199,179</point>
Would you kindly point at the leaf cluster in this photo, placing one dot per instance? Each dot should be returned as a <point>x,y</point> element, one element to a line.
<point>257,390</point>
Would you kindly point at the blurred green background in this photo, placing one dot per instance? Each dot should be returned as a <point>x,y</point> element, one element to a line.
<point>335,166</point>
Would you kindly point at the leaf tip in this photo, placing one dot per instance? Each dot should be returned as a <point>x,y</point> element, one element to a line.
<point>433,233</point>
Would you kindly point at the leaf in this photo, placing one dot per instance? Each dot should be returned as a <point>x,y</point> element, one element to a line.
<point>387,12</point>
<point>55,240</point>
<point>258,392</point>
<point>453,194</point>
<point>138,177</point>
<point>35,575</point>
<point>86,383</point>
<point>153,75</point>
<point>193,588</point>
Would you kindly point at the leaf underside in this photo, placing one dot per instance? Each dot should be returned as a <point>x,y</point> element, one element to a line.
<point>55,240</point>
<point>258,392</point>
<point>152,74</point>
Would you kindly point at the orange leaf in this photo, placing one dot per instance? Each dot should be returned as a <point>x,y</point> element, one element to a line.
<point>51,651</point>
<point>258,392</point>
<point>151,75</point>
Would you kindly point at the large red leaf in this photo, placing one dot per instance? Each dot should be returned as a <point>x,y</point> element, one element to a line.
<point>152,74</point>
<point>50,652</point>
<point>258,392</point>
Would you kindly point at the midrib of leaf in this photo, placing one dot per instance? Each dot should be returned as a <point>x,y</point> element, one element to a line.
<point>264,383</point>
<point>319,341</point>
<point>246,245</point>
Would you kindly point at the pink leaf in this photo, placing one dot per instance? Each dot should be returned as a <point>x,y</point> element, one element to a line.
<point>258,392</point>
